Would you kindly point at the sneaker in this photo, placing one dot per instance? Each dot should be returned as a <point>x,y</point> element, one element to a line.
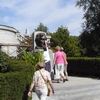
<point>64,80</point>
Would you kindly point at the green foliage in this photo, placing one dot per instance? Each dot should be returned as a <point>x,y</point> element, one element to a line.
<point>18,65</point>
<point>70,43</point>
<point>32,57</point>
<point>73,47</point>
<point>90,37</point>
<point>92,12</point>
<point>84,66</point>
<point>42,27</point>
<point>60,37</point>
<point>13,85</point>
<point>3,62</point>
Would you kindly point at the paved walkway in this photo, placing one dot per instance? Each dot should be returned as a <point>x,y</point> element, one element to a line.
<point>77,89</point>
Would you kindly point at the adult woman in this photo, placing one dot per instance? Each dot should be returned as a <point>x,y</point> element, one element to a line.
<point>66,64</point>
<point>59,61</point>
<point>39,82</point>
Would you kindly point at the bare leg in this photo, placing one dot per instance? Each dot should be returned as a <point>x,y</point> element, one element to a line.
<point>62,77</point>
<point>65,72</point>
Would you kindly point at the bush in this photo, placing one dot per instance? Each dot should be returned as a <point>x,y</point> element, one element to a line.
<point>18,65</point>
<point>84,66</point>
<point>32,57</point>
<point>3,62</point>
<point>14,84</point>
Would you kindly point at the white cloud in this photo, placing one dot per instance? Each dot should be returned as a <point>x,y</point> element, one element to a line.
<point>75,27</point>
<point>7,3</point>
<point>60,14</point>
<point>6,19</point>
<point>29,13</point>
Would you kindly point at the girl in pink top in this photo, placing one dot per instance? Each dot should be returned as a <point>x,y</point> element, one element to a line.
<point>59,61</point>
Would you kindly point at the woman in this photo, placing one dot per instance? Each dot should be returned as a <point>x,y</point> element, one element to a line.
<point>39,82</point>
<point>59,61</point>
<point>66,64</point>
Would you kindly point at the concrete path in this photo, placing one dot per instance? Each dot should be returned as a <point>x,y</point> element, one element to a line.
<point>77,88</point>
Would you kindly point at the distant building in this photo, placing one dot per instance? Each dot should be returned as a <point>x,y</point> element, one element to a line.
<point>9,40</point>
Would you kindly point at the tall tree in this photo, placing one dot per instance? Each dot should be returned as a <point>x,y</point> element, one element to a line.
<point>42,27</point>
<point>74,48</point>
<point>62,38</point>
<point>90,37</point>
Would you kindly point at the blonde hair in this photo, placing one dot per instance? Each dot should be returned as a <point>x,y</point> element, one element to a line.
<point>57,48</point>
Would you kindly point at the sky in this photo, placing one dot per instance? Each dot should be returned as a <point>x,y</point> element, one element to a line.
<point>28,14</point>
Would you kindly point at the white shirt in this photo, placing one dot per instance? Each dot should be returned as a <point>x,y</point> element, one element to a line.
<point>46,56</point>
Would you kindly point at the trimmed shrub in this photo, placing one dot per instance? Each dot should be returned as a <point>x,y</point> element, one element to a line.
<point>84,66</point>
<point>14,85</point>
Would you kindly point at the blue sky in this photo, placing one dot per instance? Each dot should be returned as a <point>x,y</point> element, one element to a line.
<point>22,14</point>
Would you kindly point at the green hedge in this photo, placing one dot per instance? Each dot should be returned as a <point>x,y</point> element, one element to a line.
<point>84,66</point>
<point>3,62</point>
<point>14,84</point>
<point>19,65</point>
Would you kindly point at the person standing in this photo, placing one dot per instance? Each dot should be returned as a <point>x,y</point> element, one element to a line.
<point>47,58</point>
<point>39,83</point>
<point>51,54</point>
<point>59,61</point>
<point>65,64</point>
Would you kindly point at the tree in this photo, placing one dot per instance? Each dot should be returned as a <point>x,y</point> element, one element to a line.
<point>74,48</point>
<point>90,37</point>
<point>62,38</point>
<point>42,27</point>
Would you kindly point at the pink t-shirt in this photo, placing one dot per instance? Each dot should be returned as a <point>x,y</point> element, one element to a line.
<point>65,57</point>
<point>59,57</point>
